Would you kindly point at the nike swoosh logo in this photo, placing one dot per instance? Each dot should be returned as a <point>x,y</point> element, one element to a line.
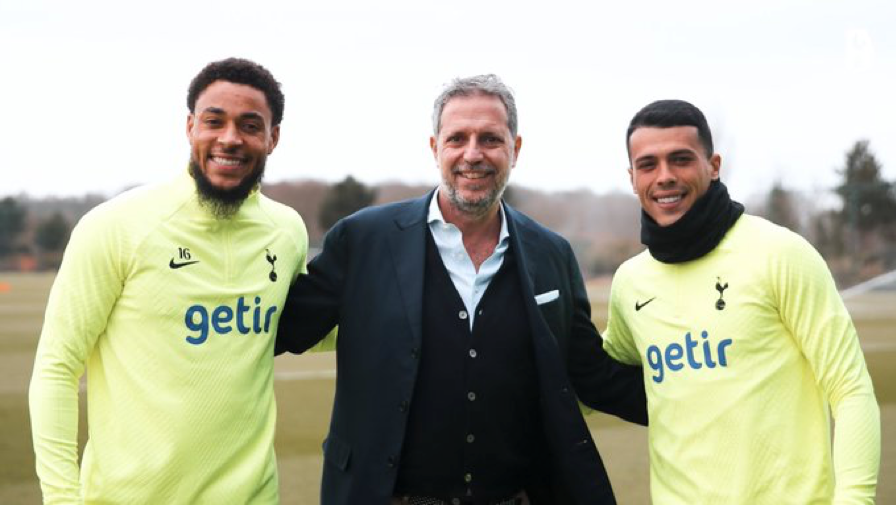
<point>639,306</point>
<point>175,266</point>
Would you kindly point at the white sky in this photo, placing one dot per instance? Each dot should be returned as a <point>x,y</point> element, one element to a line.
<point>94,91</point>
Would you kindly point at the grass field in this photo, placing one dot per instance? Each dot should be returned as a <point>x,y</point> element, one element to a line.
<point>305,390</point>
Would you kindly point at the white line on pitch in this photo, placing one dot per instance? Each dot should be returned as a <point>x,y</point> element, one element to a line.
<point>298,375</point>
<point>878,346</point>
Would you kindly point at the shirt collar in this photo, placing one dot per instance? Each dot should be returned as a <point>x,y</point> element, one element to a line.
<point>435,216</point>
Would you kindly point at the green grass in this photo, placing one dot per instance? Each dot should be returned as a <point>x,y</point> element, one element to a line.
<point>304,406</point>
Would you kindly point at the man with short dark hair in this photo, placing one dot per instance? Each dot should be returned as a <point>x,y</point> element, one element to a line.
<point>746,342</point>
<point>169,296</point>
<point>465,336</point>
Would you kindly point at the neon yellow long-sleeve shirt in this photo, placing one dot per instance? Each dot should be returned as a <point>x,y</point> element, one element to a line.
<point>173,314</point>
<point>744,351</point>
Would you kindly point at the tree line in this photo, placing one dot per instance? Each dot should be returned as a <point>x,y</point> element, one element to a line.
<point>856,235</point>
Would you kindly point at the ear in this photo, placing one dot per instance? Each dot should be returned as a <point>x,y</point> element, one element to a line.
<point>433,146</point>
<point>190,126</point>
<point>517,145</point>
<point>275,137</point>
<point>631,179</point>
<point>716,162</point>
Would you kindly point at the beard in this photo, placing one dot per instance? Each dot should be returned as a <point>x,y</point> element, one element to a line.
<point>476,206</point>
<point>224,203</point>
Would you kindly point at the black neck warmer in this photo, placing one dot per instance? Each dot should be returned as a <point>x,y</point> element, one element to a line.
<point>697,232</point>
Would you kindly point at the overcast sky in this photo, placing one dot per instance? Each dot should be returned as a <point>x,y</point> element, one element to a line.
<point>94,92</point>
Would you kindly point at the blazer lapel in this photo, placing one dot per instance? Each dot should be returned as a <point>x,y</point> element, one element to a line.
<point>525,247</point>
<point>407,241</point>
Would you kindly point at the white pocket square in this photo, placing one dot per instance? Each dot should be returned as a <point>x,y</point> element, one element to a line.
<point>549,296</point>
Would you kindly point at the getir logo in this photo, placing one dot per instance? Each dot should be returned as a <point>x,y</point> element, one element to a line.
<point>675,357</point>
<point>224,319</point>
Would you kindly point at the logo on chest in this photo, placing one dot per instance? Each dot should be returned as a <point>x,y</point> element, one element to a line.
<point>184,259</point>
<point>676,356</point>
<point>223,319</point>
<point>720,303</point>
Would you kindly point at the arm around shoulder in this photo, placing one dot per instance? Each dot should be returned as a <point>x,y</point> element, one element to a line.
<point>312,306</point>
<point>601,382</point>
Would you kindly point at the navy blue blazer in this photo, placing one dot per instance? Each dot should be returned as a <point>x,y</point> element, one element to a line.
<point>368,280</point>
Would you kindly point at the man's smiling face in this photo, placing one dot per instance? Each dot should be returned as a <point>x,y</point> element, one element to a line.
<point>670,170</point>
<point>231,134</point>
<point>475,152</point>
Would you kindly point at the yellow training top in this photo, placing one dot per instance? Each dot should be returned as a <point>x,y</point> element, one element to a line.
<point>174,314</point>
<point>744,350</point>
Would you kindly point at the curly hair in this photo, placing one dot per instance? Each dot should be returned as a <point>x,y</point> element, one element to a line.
<point>239,71</point>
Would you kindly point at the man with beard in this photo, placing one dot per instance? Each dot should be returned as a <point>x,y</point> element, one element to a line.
<point>465,336</point>
<point>749,349</point>
<point>169,296</point>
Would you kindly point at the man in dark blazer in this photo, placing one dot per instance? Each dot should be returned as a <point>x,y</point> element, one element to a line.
<point>465,337</point>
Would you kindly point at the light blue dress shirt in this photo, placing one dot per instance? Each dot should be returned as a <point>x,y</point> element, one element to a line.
<point>470,284</point>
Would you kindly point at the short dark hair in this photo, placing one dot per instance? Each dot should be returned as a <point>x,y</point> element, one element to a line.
<point>668,114</point>
<point>239,71</point>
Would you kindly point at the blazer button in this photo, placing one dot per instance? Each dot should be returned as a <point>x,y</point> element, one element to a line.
<point>390,461</point>
<point>403,406</point>
<point>462,314</point>
<point>415,353</point>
